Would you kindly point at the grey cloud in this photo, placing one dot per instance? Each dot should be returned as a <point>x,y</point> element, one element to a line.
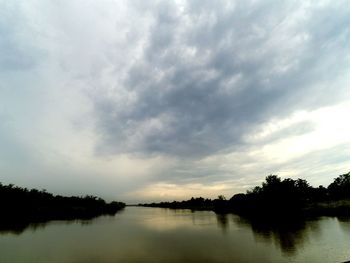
<point>296,129</point>
<point>320,166</point>
<point>17,53</point>
<point>208,77</point>
<point>185,84</point>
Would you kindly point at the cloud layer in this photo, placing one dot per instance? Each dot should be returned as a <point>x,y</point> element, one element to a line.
<point>210,73</point>
<point>201,95</point>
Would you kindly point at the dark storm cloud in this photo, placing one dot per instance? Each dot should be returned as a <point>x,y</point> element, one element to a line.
<point>211,73</point>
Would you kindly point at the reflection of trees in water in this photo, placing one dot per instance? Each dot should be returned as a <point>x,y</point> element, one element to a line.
<point>222,220</point>
<point>18,227</point>
<point>344,223</point>
<point>290,234</point>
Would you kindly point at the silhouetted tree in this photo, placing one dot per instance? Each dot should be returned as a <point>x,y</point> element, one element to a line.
<point>23,205</point>
<point>340,188</point>
<point>277,196</point>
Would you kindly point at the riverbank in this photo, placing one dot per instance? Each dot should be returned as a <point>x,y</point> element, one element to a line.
<point>277,197</point>
<point>23,206</point>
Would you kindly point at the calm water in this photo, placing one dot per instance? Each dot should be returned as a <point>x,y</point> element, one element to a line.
<point>162,235</point>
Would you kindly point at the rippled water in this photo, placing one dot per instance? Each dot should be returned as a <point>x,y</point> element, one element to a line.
<point>162,235</point>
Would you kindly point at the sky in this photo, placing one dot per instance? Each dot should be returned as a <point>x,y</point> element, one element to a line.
<point>143,101</point>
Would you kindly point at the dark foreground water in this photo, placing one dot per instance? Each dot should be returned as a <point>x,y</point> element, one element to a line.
<point>161,235</point>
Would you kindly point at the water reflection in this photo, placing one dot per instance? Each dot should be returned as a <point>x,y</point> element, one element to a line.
<point>223,222</point>
<point>344,224</point>
<point>289,234</point>
<point>18,227</point>
<point>165,219</point>
<point>164,235</point>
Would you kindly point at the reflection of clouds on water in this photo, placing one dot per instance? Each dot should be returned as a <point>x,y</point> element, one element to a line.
<point>164,219</point>
<point>170,219</point>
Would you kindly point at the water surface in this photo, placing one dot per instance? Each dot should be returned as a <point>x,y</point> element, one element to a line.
<point>162,235</point>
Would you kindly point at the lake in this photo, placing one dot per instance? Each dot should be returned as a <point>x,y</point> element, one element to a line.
<point>139,234</point>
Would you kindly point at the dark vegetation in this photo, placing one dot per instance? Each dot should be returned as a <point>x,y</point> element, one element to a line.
<point>276,196</point>
<point>20,207</point>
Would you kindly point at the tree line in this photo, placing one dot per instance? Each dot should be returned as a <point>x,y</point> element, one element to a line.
<point>277,196</point>
<point>19,204</point>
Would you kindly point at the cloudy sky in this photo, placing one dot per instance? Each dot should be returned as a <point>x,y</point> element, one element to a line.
<point>158,100</point>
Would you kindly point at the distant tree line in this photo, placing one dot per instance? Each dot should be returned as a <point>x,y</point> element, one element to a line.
<point>23,205</point>
<point>278,196</point>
